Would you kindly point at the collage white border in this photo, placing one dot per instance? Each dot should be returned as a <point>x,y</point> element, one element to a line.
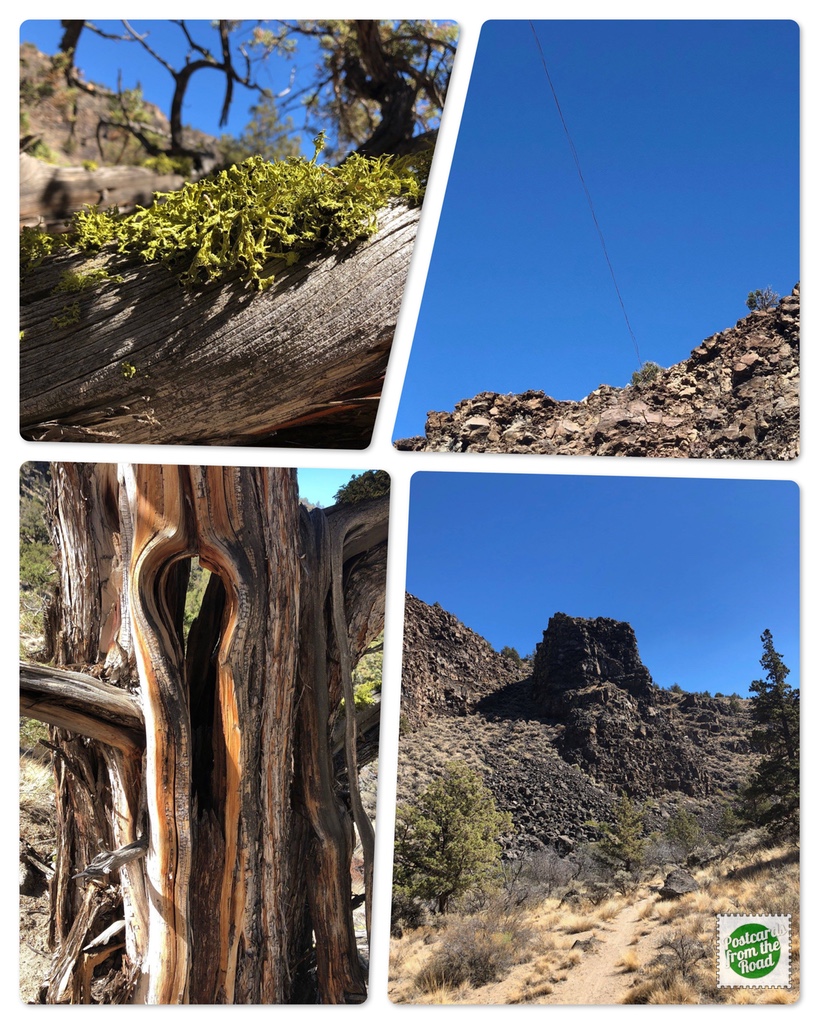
<point>14,451</point>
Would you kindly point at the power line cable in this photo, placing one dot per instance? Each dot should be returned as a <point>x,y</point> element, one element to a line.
<point>586,193</point>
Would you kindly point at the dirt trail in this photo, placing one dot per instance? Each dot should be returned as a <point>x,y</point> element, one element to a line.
<point>597,980</point>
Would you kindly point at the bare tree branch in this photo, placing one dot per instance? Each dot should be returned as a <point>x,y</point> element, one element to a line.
<point>83,704</point>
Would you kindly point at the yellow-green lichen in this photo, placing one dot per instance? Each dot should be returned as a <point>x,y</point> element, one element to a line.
<point>72,281</point>
<point>69,316</point>
<point>254,213</point>
<point>128,370</point>
<point>35,245</point>
<point>164,164</point>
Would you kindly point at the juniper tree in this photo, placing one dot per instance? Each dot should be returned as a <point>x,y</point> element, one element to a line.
<point>209,776</point>
<point>766,298</point>
<point>372,483</point>
<point>774,790</point>
<point>447,842</point>
<point>623,844</point>
<point>684,831</point>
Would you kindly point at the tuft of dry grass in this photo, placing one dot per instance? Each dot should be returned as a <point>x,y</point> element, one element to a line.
<point>648,910</point>
<point>576,923</point>
<point>629,962</point>
<point>441,995</point>
<point>675,991</point>
<point>532,992</point>
<point>610,908</point>
<point>662,991</point>
<point>668,911</point>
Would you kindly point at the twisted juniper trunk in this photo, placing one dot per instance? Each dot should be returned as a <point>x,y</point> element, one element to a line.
<point>248,822</point>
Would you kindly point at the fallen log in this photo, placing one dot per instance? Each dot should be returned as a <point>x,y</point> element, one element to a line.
<point>139,358</point>
<point>49,194</point>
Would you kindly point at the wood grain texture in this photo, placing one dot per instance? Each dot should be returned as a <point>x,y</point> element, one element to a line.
<point>219,364</point>
<point>340,975</point>
<point>245,892</point>
<point>83,704</point>
<point>159,504</point>
<point>48,194</point>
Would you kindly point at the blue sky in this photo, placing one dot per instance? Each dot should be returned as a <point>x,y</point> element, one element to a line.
<point>319,485</point>
<point>687,134</point>
<point>699,568</point>
<point>102,60</point>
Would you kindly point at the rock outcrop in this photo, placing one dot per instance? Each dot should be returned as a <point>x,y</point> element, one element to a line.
<point>558,739</point>
<point>577,654</point>
<point>588,676</point>
<point>447,667</point>
<point>735,397</point>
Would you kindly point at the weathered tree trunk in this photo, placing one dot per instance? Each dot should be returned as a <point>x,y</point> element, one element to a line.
<point>212,787</point>
<point>150,361</point>
<point>49,195</point>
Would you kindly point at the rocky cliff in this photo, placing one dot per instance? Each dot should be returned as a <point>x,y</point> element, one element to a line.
<point>559,739</point>
<point>447,667</point>
<point>617,725</point>
<point>735,397</point>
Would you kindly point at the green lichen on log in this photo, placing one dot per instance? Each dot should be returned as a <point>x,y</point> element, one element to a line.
<point>72,281</point>
<point>247,216</point>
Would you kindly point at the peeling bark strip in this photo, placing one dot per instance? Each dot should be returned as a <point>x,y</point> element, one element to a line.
<point>148,361</point>
<point>248,821</point>
<point>161,536</point>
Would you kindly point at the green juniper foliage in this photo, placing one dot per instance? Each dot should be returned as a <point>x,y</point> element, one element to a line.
<point>648,371</point>
<point>684,830</point>
<point>247,216</point>
<point>774,790</point>
<point>447,841</point>
<point>623,843</point>
<point>372,483</point>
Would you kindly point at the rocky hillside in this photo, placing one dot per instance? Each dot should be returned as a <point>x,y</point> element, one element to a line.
<point>735,397</point>
<point>617,725</point>
<point>447,667</point>
<point>69,125</point>
<point>559,740</point>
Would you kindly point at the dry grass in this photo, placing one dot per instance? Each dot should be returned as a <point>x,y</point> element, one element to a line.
<point>610,908</point>
<point>647,911</point>
<point>662,991</point>
<point>759,996</point>
<point>757,879</point>
<point>675,992</point>
<point>629,962</point>
<point>531,992</point>
<point>574,924</point>
<point>36,785</point>
<point>670,911</point>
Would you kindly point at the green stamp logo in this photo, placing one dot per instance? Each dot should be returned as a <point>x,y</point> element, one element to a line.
<point>754,951</point>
